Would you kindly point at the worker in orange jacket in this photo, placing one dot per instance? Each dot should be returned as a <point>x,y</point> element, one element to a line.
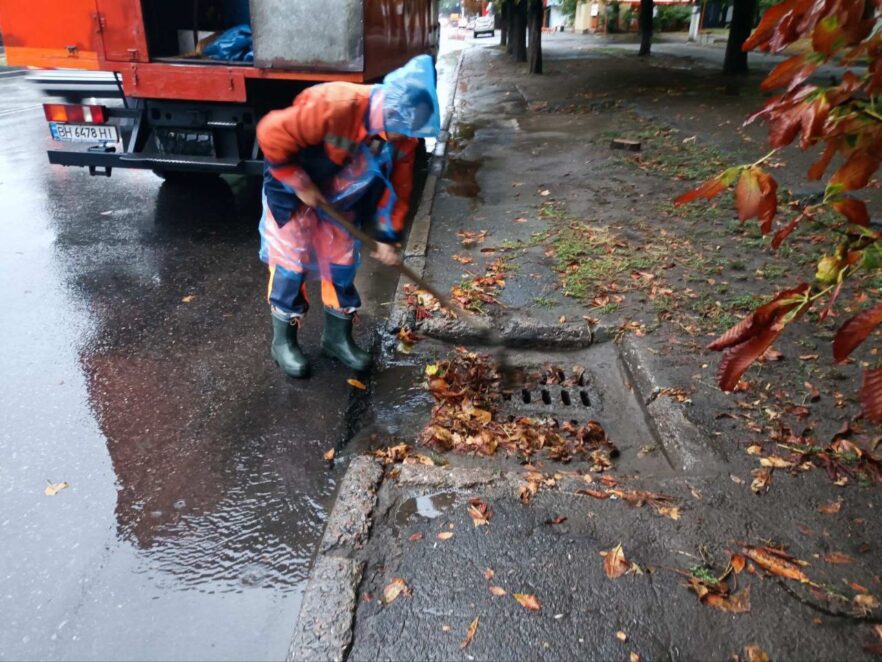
<point>351,146</point>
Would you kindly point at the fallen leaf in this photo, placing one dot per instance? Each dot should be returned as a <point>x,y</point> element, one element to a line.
<point>775,462</point>
<point>446,628</point>
<point>837,558</point>
<point>633,657</point>
<point>737,603</point>
<point>527,601</point>
<point>776,562</point>
<point>329,455</point>
<point>669,511</point>
<point>560,519</point>
<point>445,535</point>
<point>614,562</point>
<point>416,536</point>
<point>831,507</point>
<point>473,628</point>
<point>489,573</point>
<point>737,561</point>
<point>520,219</point>
<point>54,488</point>
<point>366,596</point>
<point>357,384</point>
<point>395,588</point>
<point>866,602</point>
<point>762,479</point>
<point>753,653</point>
<point>545,193</point>
<point>479,511</point>
<point>621,636</point>
<point>498,591</point>
<point>188,298</point>
<point>463,259</point>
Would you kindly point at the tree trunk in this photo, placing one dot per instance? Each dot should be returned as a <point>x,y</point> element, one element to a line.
<point>537,14</point>
<point>504,23</point>
<point>511,19</point>
<point>645,20</point>
<point>519,30</point>
<point>739,31</point>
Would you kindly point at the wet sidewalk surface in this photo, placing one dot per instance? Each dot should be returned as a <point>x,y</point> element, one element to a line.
<point>538,219</point>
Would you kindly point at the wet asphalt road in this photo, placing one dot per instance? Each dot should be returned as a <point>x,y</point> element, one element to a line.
<point>135,367</point>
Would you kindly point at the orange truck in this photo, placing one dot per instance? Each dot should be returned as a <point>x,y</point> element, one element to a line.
<point>178,109</point>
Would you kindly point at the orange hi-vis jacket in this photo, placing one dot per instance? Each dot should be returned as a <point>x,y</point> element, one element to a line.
<point>317,136</point>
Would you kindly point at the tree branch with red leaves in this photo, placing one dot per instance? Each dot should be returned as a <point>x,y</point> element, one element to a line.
<point>843,119</point>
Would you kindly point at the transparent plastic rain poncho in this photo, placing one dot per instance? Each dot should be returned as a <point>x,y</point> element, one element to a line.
<point>410,102</point>
<point>311,242</point>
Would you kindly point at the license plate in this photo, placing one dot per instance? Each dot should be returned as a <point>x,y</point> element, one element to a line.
<point>84,133</point>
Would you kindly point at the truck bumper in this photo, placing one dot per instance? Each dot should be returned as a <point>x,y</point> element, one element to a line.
<point>102,163</point>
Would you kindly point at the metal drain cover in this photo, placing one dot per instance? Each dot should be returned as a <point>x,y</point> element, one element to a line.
<point>572,399</point>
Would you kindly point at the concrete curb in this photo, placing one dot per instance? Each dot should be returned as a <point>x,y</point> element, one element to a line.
<point>323,630</point>
<point>417,240</point>
<point>683,442</point>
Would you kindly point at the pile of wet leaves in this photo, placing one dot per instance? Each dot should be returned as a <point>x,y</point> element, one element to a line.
<point>467,419</point>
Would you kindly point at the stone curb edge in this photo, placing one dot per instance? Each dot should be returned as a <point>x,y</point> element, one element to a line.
<point>323,630</point>
<point>686,446</point>
<point>417,241</point>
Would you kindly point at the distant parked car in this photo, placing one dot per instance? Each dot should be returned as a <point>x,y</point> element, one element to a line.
<point>483,25</point>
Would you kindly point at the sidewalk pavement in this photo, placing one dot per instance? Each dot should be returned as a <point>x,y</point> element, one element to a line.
<point>732,545</point>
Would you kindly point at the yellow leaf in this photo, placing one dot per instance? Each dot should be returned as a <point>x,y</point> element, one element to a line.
<point>432,369</point>
<point>329,455</point>
<point>54,488</point>
<point>498,591</point>
<point>356,384</point>
<point>527,601</point>
<point>473,628</point>
<point>621,636</point>
<point>669,511</point>
<point>395,588</point>
<point>445,535</point>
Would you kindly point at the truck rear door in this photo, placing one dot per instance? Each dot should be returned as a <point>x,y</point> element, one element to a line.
<point>48,33</point>
<point>122,30</point>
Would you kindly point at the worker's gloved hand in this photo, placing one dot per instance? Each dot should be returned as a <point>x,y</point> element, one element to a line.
<point>310,195</point>
<point>386,254</point>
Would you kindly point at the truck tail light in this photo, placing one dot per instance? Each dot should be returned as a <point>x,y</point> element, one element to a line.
<point>71,112</point>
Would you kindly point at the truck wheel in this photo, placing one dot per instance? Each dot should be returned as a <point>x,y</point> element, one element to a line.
<point>186,178</point>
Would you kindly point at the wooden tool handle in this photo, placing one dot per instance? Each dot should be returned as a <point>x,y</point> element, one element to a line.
<point>405,271</point>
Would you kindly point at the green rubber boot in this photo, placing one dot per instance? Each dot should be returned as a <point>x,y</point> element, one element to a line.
<point>285,350</point>
<point>337,341</point>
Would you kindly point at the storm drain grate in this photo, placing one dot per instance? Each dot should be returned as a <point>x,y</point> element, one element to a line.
<point>550,392</point>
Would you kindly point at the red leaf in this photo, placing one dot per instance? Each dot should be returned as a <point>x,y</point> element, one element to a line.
<point>854,331</point>
<point>856,171</point>
<point>786,231</point>
<point>756,197</point>
<point>773,22</point>
<point>738,359</point>
<point>760,318</point>
<point>818,167</point>
<point>871,394</point>
<point>790,73</point>
<point>854,210</point>
<point>707,191</point>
